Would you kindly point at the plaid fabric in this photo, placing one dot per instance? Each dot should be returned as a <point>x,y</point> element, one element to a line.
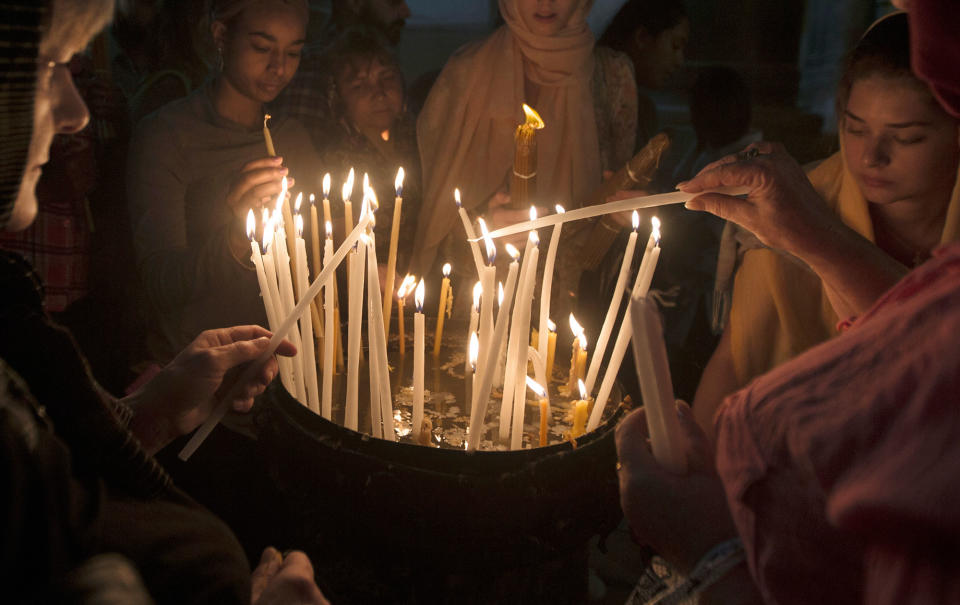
<point>305,98</point>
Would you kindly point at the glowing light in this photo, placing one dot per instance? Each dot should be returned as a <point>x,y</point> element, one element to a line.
<point>283,195</point>
<point>385,135</point>
<point>326,185</point>
<point>474,350</point>
<point>533,119</point>
<point>398,182</point>
<point>582,339</point>
<point>418,296</point>
<point>313,199</point>
<point>491,248</point>
<point>534,238</point>
<point>583,389</point>
<point>329,227</point>
<point>477,293</point>
<point>636,220</point>
<point>347,190</point>
<point>533,213</point>
<point>298,222</point>
<point>512,251</point>
<point>456,196</point>
<point>559,209</point>
<point>298,202</point>
<point>499,294</point>
<point>656,229</point>
<point>551,326</point>
<point>534,386</point>
<point>575,326</point>
<point>406,286</point>
<point>251,225</point>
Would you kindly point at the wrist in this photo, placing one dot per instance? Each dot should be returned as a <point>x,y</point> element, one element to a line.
<point>149,424</point>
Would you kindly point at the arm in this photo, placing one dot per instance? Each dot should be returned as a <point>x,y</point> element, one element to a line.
<point>785,212</point>
<point>719,380</point>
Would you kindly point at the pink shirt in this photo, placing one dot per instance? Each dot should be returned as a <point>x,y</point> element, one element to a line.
<point>842,467</point>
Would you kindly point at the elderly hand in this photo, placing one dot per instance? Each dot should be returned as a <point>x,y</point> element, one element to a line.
<point>500,215</point>
<point>782,209</point>
<point>183,394</point>
<point>280,580</point>
<point>680,516</point>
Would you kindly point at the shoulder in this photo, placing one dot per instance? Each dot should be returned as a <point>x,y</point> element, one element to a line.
<point>612,61</point>
<point>826,176</point>
<point>166,122</point>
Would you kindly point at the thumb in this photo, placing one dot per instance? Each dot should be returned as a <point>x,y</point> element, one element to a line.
<point>270,562</point>
<point>242,351</point>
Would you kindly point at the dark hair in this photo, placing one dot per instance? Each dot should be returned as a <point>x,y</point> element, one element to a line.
<point>655,16</point>
<point>719,106</point>
<point>883,50</point>
<point>352,50</point>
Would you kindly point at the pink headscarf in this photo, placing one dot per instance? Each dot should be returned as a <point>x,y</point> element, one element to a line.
<point>467,125</point>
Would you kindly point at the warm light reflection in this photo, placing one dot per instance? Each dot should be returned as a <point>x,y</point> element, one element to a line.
<point>560,209</point>
<point>477,294</point>
<point>533,119</point>
<point>582,339</point>
<point>534,238</point>
<point>583,389</point>
<point>329,227</point>
<point>406,286</point>
<point>446,269</point>
<point>536,388</point>
<point>575,326</point>
<point>474,350</point>
<point>398,182</point>
<point>418,296</point>
<point>326,185</point>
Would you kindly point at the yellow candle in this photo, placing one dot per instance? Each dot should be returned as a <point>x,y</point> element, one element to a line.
<point>315,236</point>
<point>523,182</point>
<point>405,287</point>
<point>392,257</point>
<point>580,412</point>
<point>551,348</point>
<point>446,300</point>
<point>271,151</point>
<point>544,407</point>
<point>574,350</point>
<point>581,356</point>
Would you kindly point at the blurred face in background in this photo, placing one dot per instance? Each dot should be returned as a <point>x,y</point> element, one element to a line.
<point>546,17</point>
<point>897,141</point>
<point>655,58</point>
<point>261,49</point>
<point>372,94</point>
<point>389,16</point>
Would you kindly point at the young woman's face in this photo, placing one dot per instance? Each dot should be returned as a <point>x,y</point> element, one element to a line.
<point>58,109</point>
<point>372,95</point>
<point>897,142</point>
<point>261,50</point>
<point>546,17</point>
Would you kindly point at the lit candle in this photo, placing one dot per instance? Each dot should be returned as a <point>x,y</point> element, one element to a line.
<point>579,412</point>
<point>282,261</point>
<point>271,150</point>
<point>653,373</point>
<point>315,236</point>
<point>521,312</point>
<point>419,338</point>
<point>473,352</point>
<point>487,278</point>
<point>326,409</point>
<point>474,323</point>
<point>346,192</point>
<point>270,271</point>
<point>613,310</point>
<point>405,287</point>
<point>354,323</point>
<point>327,218</point>
<point>551,348</point>
<point>575,349</point>
<point>544,406</point>
<point>481,396</point>
<point>446,301</point>
<point>392,256</point>
<point>640,287</point>
<point>471,234</point>
<point>502,354</point>
<point>523,181</point>
<point>378,342</point>
<point>306,327</point>
<point>546,289</point>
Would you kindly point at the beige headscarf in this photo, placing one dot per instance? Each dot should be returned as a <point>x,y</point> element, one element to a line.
<point>467,125</point>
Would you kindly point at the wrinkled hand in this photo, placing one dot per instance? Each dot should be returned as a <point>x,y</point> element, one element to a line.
<point>258,183</point>
<point>279,580</point>
<point>782,209</point>
<point>679,516</point>
<point>500,215</point>
<point>183,394</point>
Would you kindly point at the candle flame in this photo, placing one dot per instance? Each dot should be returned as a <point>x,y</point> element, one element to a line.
<point>298,202</point>
<point>326,185</point>
<point>575,326</point>
<point>398,182</point>
<point>329,227</point>
<point>583,389</point>
<point>551,326</point>
<point>298,221</point>
<point>251,225</point>
<point>347,190</point>
<point>313,199</point>
<point>366,182</point>
<point>582,339</point>
<point>491,248</point>
<point>533,119</point>
<point>560,209</point>
<point>418,296</point>
<point>474,350</point>
<point>534,386</point>
<point>499,294</point>
<point>477,293</point>
<point>385,135</point>
<point>282,198</point>
<point>456,196</point>
<point>446,269</point>
<point>512,251</point>
<point>636,220</point>
<point>534,238</point>
<point>266,118</point>
<point>656,229</point>
<point>371,197</point>
<point>268,226</point>
<point>533,213</point>
<point>406,286</point>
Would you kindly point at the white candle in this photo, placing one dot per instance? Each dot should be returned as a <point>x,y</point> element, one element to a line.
<point>523,328</point>
<point>257,259</point>
<point>481,395</point>
<point>487,278</point>
<point>326,409</point>
<point>306,326</point>
<point>470,378</point>
<point>282,261</point>
<point>649,263</point>
<point>354,323</point>
<point>640,287</point>
<point>547,287</point>
<point>502,354</point>
<point>653,373</point>
<point>378,341</point>
<point>471,234</point>
<point>419,339</point>
<point>469,367</point>
<point>270,271</point>
<point>614,309</point>
<point>346,193</point>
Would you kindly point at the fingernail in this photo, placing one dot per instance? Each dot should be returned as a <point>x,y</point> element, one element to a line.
<point>282,171</point>
<point>277,159</point>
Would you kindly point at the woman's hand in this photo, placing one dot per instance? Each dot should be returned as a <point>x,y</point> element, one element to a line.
<point>258,183</point>
<point>499,214</point>
<point>183,394</point>
<point>280,580</point>
<point>680,516</point>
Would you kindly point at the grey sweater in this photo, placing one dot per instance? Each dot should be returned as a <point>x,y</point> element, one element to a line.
<point>182,160</point>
